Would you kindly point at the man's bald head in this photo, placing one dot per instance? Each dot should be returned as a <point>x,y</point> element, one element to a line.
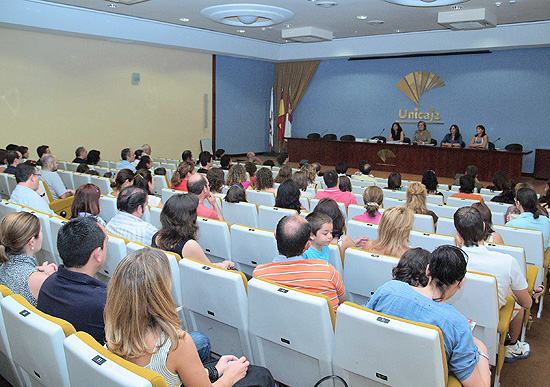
<point>293,234</point>
<point>196,184</point>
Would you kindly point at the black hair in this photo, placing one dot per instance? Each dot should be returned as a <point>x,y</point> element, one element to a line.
<point>130,199</point>
<point>469,225</point>
<point>292,235</point>
<point>93,157</point>
<point>205,157</point>
<point>412,267</point>
<point>41,150</point>
<point>186,155</point>
<point>77,239</point>
<point>196,185</point>
<point>330,207</point>
<point>12,147</point>
<point>142,178</point>
<point>121,177</point>
<point>24,171</point>
<point>288,195</point>
<point>498,179</point>
<point>331,178</point>
<point>429,179</point>
<point>345,184</point>
<point>447,266</point>
<point>79,151</point>
<point>179,221</point>
<point>225,161</point>
<point>236,194</point>
<point>220,152</point>
<point>160,171</point>
<point>12,156</point>
<point>22,149</point>
<point>281,157</point>
<point>467,184</point>
<point>125,153</point>
<point>341,167</point>
<point>364,167</point>
<point>143,162</point>
<point>471,170</point>
<point>82,168</point>
<point>394,180</point>
<point>138,153</point>
<point>316,220</point>
<point>269,163</point>
<point>528,200</point>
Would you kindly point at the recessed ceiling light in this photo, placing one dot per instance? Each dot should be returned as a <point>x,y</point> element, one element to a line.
<point>326,3</point>
<point>241,31</point>
<point>376,22</point>
<point>111,5</point>
<point>455,7</point>
<point>398,30</point>
<point>498,3</point>
<point>184,19</point>
<point>362,17</point>
<point>288,26</point>
<point>425,3</point>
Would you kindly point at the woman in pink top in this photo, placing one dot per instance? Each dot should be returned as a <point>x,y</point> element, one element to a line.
<point>373,198</point>
<point>237,175</point>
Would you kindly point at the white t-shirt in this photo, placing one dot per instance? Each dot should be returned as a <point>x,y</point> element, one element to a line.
<point>503,266</point>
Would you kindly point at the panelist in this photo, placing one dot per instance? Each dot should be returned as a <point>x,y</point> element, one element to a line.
<point>396,133</point>
<point>422,136</point>
<point>480,140</point>
<point>453,139</point>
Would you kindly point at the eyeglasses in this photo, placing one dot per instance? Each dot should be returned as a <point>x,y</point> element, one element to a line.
<point>37,174</point>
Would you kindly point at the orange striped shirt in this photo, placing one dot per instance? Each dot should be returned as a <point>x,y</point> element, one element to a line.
<point>312,275</point>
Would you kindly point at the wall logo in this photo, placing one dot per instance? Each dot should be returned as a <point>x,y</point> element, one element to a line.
<point>413,85</point>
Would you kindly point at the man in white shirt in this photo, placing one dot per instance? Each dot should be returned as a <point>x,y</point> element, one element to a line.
<point>28,192</point>
<point>146,148</point>
<point>510,279</point>
<point>132,202</point>
<point>52,179</point>
<point>127,156</point>
<point>364,173</point>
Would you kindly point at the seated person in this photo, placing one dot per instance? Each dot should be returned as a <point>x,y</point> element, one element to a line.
<point>288,196</point>
<point>81,155</point>
<point>187,156</point>
<point>198,185</point>
<point>52,179</point>
<point>480,139</point>
<point>251,169</point>
<point>225,162</point>
<point>373,198</point>
<point>489,235</point>
<point>264,181</point>
<point>507,194</point>
<point>237,175</point>
<point>467,185</point>
<point>341,168</point>
<point>394,182</point>
<point>429,179</point>
<point>467,357</point>
<point>206,161</point>
<point>453,139</point>
<point>219,153</point>
<point>236,194</point>
<point>412,266</point>
<point>471,170</point>
<point>396,133</point>
<point>144,179</point>
<point>344,184</point>
<point>86,203</point>
<point>332,191</point>
<point>422,136</point>
<point>282,159</point>
<point>321,236</point>
<point>527,205</point>
<point>94,157</point>
<point>181,175</point>
<point>302,180</point>
<point>364,173</point>
<point>395,226</point>
<point>216,180</point>
<point>28,192</point>
<point>127,158</point>
<point>252,158</point>
<point>123,178</point>
<point>285,173</point>
<point>13,159</point>
<point>416,201</point>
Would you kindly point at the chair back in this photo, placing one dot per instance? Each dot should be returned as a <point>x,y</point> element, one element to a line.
<point>66,178</point>
<point>36,342</point>
<point>81,179</point>
<point>514,148</point>
<point>7,207</point>
<point>215,239</point>
<point>429,241</point>
<point>155,217</point>
<point>291,332</point>
<point>336,257</point>
<point>269,217</point>
<point>12,183</point>
<point>423,223</point>
<point>355,210</point>
<point>436,199</point>
<point>4,189</point>
<point>108,207</point>
<point>116,251</point>
<point>347,137</point>
<point>56,222</point>
<point>515,251</point>
<point>314,136</point>
<point>306,203</point>
<point>251,247</point>
<point>446,226</point>
<point>47,252</point>
<point>497,207</point>
<point>90,363</point>
<point>242,213</point>
<point>330,136</point>
<point>407,353</point>
<point>342,206</point>
<point>216,302</point>
<point>7,367</point>
<point>365,272</point>
<point>447,211</point>
<point>460,202</point>
<point>265,198</point>
<point>167,193</point>
<point>103,183</point>
<point>356,228</point>
<point>392,193</point>
<point>160,184</point>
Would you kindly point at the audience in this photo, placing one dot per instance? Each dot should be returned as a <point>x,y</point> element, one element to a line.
<point>178,233</point>
<point>302,180</point>
<point>86,203</point>
<point>514,209</point>
<point>321,236</point>
<point>52,179</point>
<point>466,356</point>
<point>489,235</point>
<point>82,168</point>
<point>28,192</point>
<point>264,180</point>
<point>146,148</point>
<point>237,175</point>
<point>498,179</point>
<point>219,153</point>
<point>160,171</point>
<point>269,163</point>
<point>395,226</point>
<point>470,233</point>
<point>290,268</point>
<point>344,184</point>
<point>124,178</point>
<point>544,200</point>
<point>206,161</point>
<point>20,239</point>
<point>225,162</point>
<point>3,160</point>
<point>198,185</point>
<point>251,169</point>
<point>236,194</point>
<point>285,173</point>
<point>467,184</point>
<point>364,173</point>
<point>412,266</point>
<point>394,181</point>
<point>416,201</point>
<point>145,162</point>
<point>527,205</point>
<point>127,158</point>
<point>94,157</point>
<point>311,174</point>
<point>341,168</point>
<point>24,150</point>
<point>143,179</point>
<point>332,191</point>
<point>282,159</point>
<point>13,159</point>
<point>373,198</point>
<point>470,171</point>
<point>288,196</point>
<point>72,293</point>
<point>40,151</point>
<point>81,155</point>
<point>127,223</point>
<point>187,156</point>
<point>185,170</point>
<point>508,194</point>
<point>252,158</point>
<point>429,179</point>
<point>137,155</point>
<point>216,180</point>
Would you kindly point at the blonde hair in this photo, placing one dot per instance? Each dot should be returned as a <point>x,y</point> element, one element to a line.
<point>373,197</point>
<point>139,299</point>
<point>394,228</point>
<point>416,198</point>
<point>310,171</point>
<point>236,175</point>
<point>16,230</point>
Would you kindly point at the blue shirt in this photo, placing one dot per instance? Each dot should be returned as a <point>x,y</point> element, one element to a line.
<point>527,220</point>
<point>398,299</point>
<point>28,197</point>
<point>311,253</point>
<point>125,164</point>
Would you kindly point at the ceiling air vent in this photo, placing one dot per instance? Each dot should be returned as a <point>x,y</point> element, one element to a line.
<point>307,35</point>
<point>467,19</point>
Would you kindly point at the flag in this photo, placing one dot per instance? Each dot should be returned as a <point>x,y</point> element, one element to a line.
<point>271,122</point>
<point>288,123</point>
<point>281,120</point>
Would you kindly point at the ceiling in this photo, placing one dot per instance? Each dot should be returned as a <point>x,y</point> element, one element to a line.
<point>341,19</point>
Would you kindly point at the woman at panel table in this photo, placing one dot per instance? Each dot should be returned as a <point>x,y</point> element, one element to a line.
<point>422,136</point>
<point>480,140</point>
<point>453,139</point>
<point>396,133</point>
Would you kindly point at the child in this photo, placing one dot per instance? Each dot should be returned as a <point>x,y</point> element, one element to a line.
<point>321,236</point>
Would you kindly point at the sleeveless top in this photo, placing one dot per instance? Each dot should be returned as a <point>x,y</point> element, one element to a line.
<point>178,247</point>
<point>158,362</point>
<point>396,135</point>
<point>15,275</point>
<point>478,140</point>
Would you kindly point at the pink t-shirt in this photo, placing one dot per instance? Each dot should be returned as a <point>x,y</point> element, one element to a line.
<point>369,219</point>
<point>206,212</point>
<point>338,196</point>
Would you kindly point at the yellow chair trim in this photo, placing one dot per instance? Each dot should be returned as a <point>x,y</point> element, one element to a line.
<point>155,379</point>
<point>5,291</point>
<point>255,228</point>
<point>243,277</point>
<point>126,241</point>
<point>341,252</point>
<point>62,205</point>
<point>329,303</point>
<point>67,327</point>
<point>48,192</point>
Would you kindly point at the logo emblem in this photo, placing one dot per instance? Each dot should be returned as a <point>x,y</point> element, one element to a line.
<point>415,84</point>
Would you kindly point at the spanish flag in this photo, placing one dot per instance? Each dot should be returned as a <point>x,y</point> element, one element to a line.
<point>281,120</point>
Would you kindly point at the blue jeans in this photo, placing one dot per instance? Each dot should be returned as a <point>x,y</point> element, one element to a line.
<point>202,342</point>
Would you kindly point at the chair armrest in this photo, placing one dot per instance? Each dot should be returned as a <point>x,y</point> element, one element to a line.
<point>62,205</point>
<point>452,381</point>
<point>546,262</point>
<point>532,272</point>
<point>505,315</point>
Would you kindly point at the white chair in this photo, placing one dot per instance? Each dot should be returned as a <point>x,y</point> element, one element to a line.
<point>392,202</point>
<point>436,199</point>
<point>251,247</point>
<point>478,301</point>
<point>358,189</point>
<point>442,210</point>
<point>365,272</point>
<point>155,217</point>
<point>446,226</point>
<point>215,239</point>
<point>8,207</point>
<point>336,257</point>
<point>7,367</point>
<point>12,183</point>
<point>429,241</point>
<point>46,253</point>
<point>89,363</point>
<point>291,332</point>
<point>108,207</point>
<point>100,170</point>
<point>359,198</point>
<point>306,203</point>
<point>447,194</point>
<point>36,343</point>
<point>242,213</point>
<point>67,178</point>
<point>4,189</point>
<point>355,210</point>
<point>498,218</point>
<point>103,183</point>
<point>167,193</point>
<point>103,163</point>
<point>269,217</point>
<point>489,192</point>
<point>116,251</point>
<point>361,183</point>
<point>160,183</point>
<point>407,353</point>
<point>56,222</point>
<point>71,166</point>
<point>356,229</point>
<point>216,302</point>
<point>460,202</point>
<point>454,188</point>
<point>443,187</point>
<point>112,164</point>
<point>423,223</point>
<point>515,251</point>
<point>81,179</point>
<point>390,193</point>
<point>497,207</point>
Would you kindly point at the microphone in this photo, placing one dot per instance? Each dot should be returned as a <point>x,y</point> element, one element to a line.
<point>494,142</point>
<point>382,131</point>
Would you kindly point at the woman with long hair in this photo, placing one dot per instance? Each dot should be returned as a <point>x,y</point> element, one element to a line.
<point>394,228</point>
<point>302,180</point>
<point>20,239</point>
<point>285,173</point>
<point>236,194</point>
<point>416,200</point>
<point>264,180</point>
<point>216,179</point>
<point>124,178</point>
<point>179,230</point>
<point>311,172</point>
<point>480,139</point>
<point>145,163</point>
<point>429,179</point>
<point>181,175</point>
<point>527,205</point>
<point>507,194</point>
<point>142,325</point>
<point>396,133</point>
<point>94,157</point>
<point>86,203</point>
<point>237,175</point>
<point>373,198</point>
<point>490,235</point>
<point>251,169</point>
<point>394,181</point>
<point>288,196</point>
<point>144,180</point>
<point>453,139</point>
